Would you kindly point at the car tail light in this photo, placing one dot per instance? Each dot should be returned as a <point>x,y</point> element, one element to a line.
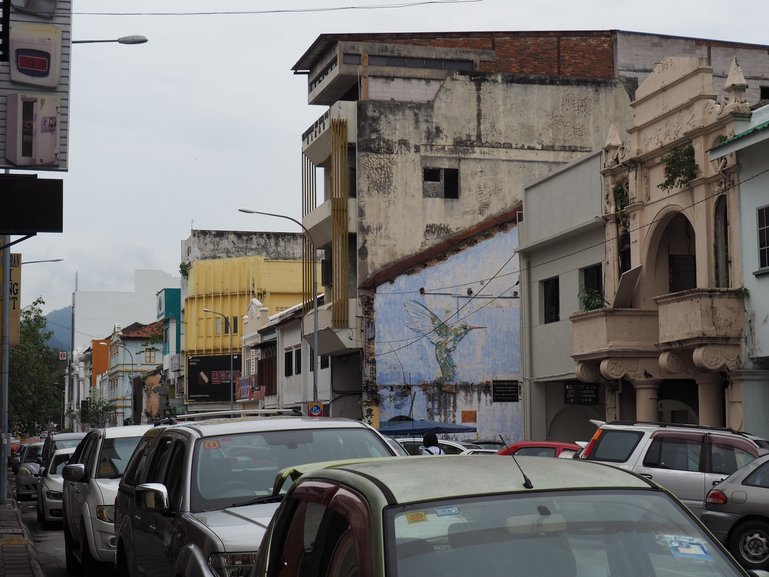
<point>591,444</point>
<point>716,497</point>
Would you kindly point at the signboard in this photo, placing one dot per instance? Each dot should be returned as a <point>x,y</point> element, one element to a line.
<point>35,53</point>
<point>315,409</point>
<point>14,298</point>
<point>581,393</point>
<point>31,205</point>
<point>505,391</point>
<point>208,378</point>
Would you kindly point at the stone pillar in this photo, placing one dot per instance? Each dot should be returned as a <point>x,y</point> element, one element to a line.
<point>646,399</point>
<point>711,399</point>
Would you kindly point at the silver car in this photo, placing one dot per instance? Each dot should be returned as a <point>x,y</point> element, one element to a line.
<point>737,512</point>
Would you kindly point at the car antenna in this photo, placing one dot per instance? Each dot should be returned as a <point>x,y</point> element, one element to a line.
<point>526,481</point>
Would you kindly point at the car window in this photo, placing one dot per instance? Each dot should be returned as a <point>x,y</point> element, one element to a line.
<point>680,454</point>
<point>728,455</point>
<point>57,464</point>
<point>160,459</point>
<point>536,451</point>
<point>32,453</point>
<point>114,456</point>
<point>615,445</point>
<point>88,455</point>
<point>173,475</point>
<point>236,468</point>
<point>759,477</point>
<point>135,470</point>
<point>450,449</point>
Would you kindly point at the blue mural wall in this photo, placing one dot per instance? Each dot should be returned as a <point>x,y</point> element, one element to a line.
<point>444,334</point>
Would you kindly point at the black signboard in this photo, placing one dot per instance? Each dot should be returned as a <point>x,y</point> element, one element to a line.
<point>208,378</point>
<point>581,393</point>
<point>30,204</point>
<point>505,391</point>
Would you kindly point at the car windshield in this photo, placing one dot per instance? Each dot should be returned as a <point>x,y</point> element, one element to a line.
<point>32,453</point>
<point>235,469</point>
<point>114,456</point>
<point>568,534</point>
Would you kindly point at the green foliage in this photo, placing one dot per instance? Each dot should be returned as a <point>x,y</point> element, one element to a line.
<point>96,412</point>
<point>184,269</point>
<point>621,199</point>
<point>743,292</point>
<point>36,376</point>
<point>591,299</point>
<point>680,167</point>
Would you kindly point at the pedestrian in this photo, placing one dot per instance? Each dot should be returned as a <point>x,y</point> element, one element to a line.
<point>430,445</point>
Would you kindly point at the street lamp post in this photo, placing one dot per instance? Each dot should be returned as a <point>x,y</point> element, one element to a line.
<point>314,359</point>
<point>133,39</point>
<point>228,328</point>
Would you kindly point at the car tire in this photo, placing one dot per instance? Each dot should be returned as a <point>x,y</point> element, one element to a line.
<point>70,561</point>
<point>749,544</point>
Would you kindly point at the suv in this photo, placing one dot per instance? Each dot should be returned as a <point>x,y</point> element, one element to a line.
<point>55,441</point>
<point>90,484</point>
<point>196,496</point>
<point>685,459</point>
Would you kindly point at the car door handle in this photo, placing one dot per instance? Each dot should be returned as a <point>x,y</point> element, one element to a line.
<point>646,475</point>
<point>152,528</point>
<point>137,517</point>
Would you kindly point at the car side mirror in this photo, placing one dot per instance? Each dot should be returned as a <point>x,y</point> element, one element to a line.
<point>75,472</point>
<point>152,497</point>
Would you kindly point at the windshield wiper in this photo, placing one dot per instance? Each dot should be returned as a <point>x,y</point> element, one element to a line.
<point>257,500</point>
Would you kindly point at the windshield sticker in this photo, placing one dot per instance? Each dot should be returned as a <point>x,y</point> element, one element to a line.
<point>446,511</point>
<point>685,547</point>
<point>213,444</point>
<point>416,517</point>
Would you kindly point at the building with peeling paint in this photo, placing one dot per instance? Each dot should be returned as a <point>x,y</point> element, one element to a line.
<point>426,135</point>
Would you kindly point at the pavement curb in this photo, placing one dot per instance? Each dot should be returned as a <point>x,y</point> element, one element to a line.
<point>18,555</point>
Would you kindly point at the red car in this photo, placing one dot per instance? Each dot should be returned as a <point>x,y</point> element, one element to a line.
<point>540,448</point>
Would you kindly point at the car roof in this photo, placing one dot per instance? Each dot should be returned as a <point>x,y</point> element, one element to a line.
<point>121,432</point>
<point>227,426</point>
<point>654,426</point>
<point>66,436</point>
<point>412,479</point>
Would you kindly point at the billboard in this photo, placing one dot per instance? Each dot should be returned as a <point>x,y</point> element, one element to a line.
<point>14,299</point>
<point>35,47</point>
<point>208,378</point>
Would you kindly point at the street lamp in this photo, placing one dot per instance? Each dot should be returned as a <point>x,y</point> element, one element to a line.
<point>228,328</point>
<point>44,260</point>
<point>314,360</point>
<point>133,39</point>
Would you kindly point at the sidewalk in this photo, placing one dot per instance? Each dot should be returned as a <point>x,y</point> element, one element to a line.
<point>18,557</point>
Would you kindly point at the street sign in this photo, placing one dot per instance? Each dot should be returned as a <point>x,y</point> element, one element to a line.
<point>62,355</point>
<point>14,299</point>
<point>315,409</point>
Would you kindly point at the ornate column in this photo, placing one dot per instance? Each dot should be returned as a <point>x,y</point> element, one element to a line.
<point>646,399</point>
<point>711,399</point>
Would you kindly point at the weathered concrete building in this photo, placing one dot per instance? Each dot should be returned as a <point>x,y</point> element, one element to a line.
<point>428,134</point>
<point>678,341</point>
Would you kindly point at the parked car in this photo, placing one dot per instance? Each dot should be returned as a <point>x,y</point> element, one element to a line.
<point>489,444</point>
<point>55,441</point>
<point>49,501</point>
<point>413,446</point>
<point>551,517</point>
<point>685,459</point>
<point>90,485</point>
<point>539,448</point>
<point>28,473</point>
<point>212,482</point>
<point>737,512</point>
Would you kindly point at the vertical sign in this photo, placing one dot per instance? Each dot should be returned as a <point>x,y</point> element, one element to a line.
<point>14,298</point>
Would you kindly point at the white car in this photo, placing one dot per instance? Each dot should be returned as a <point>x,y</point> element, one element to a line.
<point>90,484</point>
<point>413,446</point>
<point>49,501</point>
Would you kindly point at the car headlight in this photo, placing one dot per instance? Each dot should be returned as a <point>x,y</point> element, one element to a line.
<point>106,513</point>
<point>232,564</point>
<point>54,495</point>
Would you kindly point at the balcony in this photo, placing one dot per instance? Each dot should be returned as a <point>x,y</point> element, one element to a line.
<point>699,317</point>
<point>608,332</point>
<point>316,140</point>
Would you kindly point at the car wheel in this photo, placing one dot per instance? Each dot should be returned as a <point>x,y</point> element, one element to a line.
<point>122,566</point>
<point>749,544</point>
<point>70,561</point>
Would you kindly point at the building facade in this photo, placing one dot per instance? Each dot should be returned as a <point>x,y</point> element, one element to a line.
<point>676,343</point>
<point>428,134</point>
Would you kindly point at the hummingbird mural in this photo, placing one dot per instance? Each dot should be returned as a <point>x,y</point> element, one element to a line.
<point>443,336</point>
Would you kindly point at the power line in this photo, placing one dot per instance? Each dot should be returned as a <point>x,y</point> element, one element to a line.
<point>399,5</point>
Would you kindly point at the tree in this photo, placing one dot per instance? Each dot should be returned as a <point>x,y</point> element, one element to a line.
<point>35,375</point>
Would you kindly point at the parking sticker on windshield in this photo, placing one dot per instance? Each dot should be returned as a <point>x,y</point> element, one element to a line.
<point>416,517</point>
<point>444,511</point>
<point>685,547</point>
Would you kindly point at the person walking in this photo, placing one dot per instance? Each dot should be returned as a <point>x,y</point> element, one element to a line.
<point>430,445</point>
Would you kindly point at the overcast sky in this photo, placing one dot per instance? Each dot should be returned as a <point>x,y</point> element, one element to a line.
<point>207,117</point>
